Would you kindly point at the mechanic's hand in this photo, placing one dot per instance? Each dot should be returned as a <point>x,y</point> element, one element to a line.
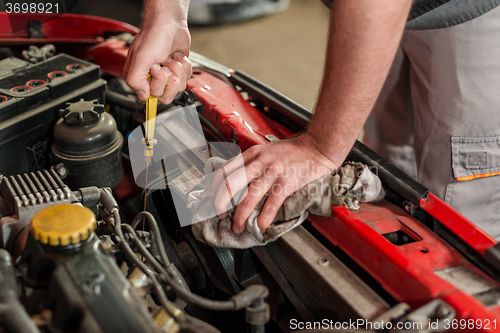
<point>278,168</point>
<point>160,49</point>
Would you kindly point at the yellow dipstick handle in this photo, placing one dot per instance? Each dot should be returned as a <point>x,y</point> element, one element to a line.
<point>150,141</point>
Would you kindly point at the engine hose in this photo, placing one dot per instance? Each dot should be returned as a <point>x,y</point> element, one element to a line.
<point>116,98</point>
<point>180,302</point>
<point>153,225</point>
<point>237,302</point>
<point>187,323</point>
<point>131,256</point>
<point>12,314</point>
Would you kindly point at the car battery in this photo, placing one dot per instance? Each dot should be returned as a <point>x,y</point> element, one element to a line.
<point>31,96</point>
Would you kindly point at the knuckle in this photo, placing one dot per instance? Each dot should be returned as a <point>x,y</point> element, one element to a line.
<point>270,208</point>
<point>166,93</point>
<point>254,188</point>
<point>267,159</point>
<point>162,76</point>
<point>264,222</point>
<point>158,77</point>
<point>175,80</point>
<point>241,214</point>
<point>156,91</point>
<point>174,66</point>
<point>257,162</point>
<point>287,181</point>
<point>169,99</point>
<point>273,167</point>
<point>253,149</point>
<point>156,86</point>
<point>258,150</point>
<point>164,100</point>
<point>245,206</point>
<point>256,165</point>
<point>252,200</point>
<point>253,152</point>
<point>275,163</point>
<point>178,63</point>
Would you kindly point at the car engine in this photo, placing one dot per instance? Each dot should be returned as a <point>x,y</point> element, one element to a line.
<point>63,269</point>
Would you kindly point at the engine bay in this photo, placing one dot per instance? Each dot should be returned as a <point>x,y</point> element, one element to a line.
<point>58,137</point>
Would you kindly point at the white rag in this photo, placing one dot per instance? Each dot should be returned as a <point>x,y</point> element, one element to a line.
<point>351,184</point>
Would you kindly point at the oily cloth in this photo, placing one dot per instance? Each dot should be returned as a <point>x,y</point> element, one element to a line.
<point>350,185</point>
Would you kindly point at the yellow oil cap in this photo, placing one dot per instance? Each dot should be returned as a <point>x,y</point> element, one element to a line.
<point>62,225</point>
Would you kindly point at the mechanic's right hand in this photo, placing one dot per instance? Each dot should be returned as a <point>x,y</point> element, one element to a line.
<point>277,168</point>
<point>160,49</point>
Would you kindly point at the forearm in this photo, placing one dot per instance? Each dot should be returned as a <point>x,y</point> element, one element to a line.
<point>166,10</point>
<point>364,37</point>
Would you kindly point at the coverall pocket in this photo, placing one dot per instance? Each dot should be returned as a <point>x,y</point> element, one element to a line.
<point>474,184</point>
<point>474,158</point>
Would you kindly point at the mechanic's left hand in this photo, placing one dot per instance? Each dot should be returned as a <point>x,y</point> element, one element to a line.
<point>278,168</point>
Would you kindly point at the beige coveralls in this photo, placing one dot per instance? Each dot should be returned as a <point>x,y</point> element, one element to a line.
<point>438,116</point>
